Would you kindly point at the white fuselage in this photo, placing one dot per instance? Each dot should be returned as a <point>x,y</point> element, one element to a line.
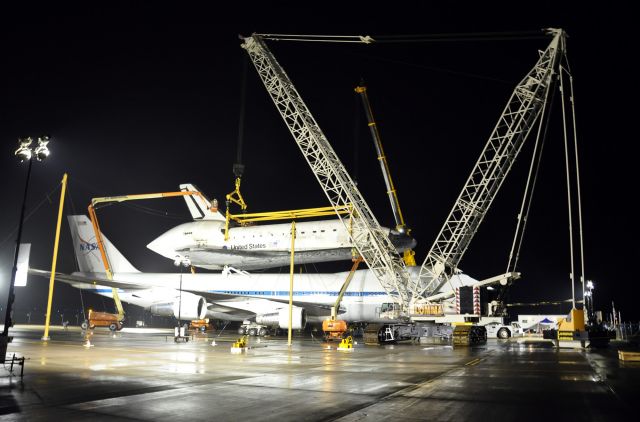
<point>259,294</point>
<point>251,247</point>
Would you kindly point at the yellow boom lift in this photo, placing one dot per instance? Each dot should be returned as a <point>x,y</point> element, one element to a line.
<point>333,327</point>
<point>119,317</point>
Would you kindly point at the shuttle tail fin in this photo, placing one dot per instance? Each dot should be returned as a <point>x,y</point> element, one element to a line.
<point>199,205</point>
<point>87,251</point>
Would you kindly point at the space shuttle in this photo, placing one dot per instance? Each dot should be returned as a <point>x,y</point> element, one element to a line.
<point>202,241</point>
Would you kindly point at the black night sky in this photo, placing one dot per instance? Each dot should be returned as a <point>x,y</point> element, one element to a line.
<point>140,99</point>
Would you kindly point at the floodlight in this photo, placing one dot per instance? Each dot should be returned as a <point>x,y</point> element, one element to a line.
<point>41,150</point>
<point>24,152</point>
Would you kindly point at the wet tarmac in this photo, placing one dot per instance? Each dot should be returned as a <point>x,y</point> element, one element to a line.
<point>145,375</point>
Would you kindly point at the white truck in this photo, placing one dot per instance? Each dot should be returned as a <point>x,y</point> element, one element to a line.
<point>253,329</point>
<point>499,330</point>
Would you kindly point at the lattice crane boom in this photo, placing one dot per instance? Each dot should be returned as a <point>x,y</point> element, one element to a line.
<point>368,237</point>
<point>499,154</point>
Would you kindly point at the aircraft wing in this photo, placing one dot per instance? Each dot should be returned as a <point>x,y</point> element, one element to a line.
<point>71,279</point>
<point>221,299</point>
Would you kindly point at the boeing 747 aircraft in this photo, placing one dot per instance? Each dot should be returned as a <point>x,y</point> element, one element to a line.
<point>229,296</point>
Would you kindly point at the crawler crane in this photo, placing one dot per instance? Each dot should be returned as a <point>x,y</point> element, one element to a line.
<point>522,112</point>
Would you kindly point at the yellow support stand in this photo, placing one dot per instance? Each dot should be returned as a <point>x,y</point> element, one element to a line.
<point>240,345</point>
<point>346,345</point>
<point>52,279</point>
<point>293,242</point>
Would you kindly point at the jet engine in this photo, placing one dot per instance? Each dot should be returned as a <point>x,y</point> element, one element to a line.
<point>191,307</point>
<point>281,318</point>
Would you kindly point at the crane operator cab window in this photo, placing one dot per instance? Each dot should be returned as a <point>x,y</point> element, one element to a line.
<point>389,310</point>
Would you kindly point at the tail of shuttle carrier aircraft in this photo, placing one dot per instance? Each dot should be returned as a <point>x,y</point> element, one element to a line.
<point>87,251</point>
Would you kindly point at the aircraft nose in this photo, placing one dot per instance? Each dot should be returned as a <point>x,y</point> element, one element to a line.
<point>401,241</point>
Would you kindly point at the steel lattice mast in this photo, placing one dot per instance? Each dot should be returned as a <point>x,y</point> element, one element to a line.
<point>499,154</point>
<point>369,238</point>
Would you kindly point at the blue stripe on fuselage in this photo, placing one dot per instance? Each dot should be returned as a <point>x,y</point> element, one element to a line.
<point>274,293</point>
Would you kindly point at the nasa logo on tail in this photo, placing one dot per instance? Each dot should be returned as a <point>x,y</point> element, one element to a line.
<point>87,246</point>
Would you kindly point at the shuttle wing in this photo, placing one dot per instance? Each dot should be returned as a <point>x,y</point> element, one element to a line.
<point>212,254</point>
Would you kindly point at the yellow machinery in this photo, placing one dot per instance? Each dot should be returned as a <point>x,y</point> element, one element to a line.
<point>570,328</point>
<point>409,254</point>
<point>240,345</point>
<point>236,198</point>
<point>346,345</point>
<point>103,319</point>
<point>332,327</point>
<point>245,218</point>
<point>574,322</point>
<point>469,334</point>
<point>200,325</point>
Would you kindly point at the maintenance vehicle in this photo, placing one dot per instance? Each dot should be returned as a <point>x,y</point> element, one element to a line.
<point>253,329</point>
<point>102,319</point>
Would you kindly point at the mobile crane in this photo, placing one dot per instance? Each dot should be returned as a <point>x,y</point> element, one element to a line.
<point>522,111</point>
<point>408,255</point>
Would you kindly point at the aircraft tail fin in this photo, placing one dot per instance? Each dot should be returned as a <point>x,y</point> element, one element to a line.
<point>199,205</point>
<point>87,251</point>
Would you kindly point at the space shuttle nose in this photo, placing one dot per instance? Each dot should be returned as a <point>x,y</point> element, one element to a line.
<point>163,245</point>
<point>401,241</point>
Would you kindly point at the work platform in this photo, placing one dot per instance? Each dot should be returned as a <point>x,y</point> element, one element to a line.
<point>144,375</point>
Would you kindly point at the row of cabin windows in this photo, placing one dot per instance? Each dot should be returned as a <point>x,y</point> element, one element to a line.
<point>253,235</point>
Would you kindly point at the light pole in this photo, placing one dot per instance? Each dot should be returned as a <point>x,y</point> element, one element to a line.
<point>588,302</point>
<point>25,152</point>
